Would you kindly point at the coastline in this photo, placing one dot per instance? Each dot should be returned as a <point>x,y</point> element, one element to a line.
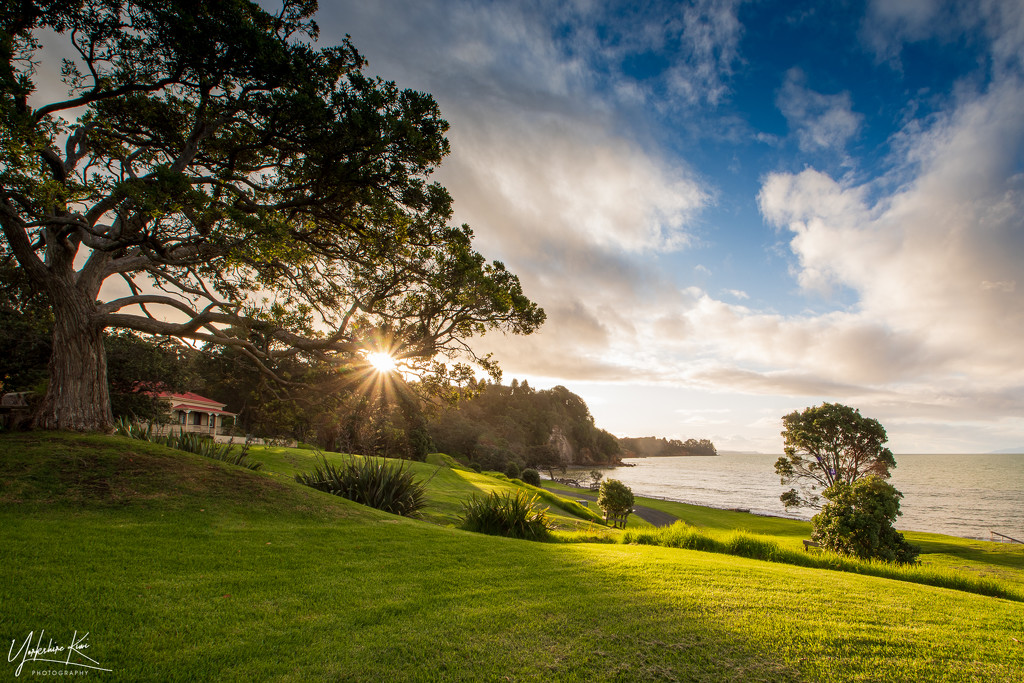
<point>969,497</point>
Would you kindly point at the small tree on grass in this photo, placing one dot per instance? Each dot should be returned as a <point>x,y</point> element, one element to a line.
<point>857,520</point>
<point>616,499</point>
<point>530,476</point>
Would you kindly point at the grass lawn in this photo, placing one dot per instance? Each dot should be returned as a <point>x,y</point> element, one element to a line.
<point>1000,561</point>
<point>182,568</point>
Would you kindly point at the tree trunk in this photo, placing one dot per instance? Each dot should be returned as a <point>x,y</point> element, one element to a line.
<point>77,398</point>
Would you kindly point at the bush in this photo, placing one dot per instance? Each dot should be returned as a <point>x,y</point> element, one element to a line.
<point>857,521</point>
<point>512,470</point>
<point>514,516</point>
<point>530,476</point>
<point>616,499</point>
<point>370,481</point>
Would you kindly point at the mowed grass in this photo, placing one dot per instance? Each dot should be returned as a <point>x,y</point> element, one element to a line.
<point>1002,562</point>
<point>448,485</point>
<point>182,568</point>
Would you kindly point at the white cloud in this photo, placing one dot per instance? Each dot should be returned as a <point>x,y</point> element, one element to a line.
<point>891,24</point>
<point>709,33</point>
<point>934,263</point>
<point>555,179</point>
<point>551,168</point>
<point>820,122</point>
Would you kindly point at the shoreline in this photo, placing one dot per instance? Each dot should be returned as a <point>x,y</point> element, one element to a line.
<point>945,494</point>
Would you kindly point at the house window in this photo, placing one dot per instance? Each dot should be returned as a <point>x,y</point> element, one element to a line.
<point>197,418</point>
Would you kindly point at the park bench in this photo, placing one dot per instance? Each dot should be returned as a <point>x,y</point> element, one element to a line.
<point>810,544</point>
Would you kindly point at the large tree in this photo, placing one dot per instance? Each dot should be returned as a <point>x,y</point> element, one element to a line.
<point>210,168</point>
<point>826,445</point>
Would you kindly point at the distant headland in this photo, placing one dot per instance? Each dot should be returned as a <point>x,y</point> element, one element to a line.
<point>653,447</point>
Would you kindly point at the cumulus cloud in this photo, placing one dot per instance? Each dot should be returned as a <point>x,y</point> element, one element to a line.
<point>820,122</point>
<point>541,167</point>
<point>934,263</point>
<point>551,168</point>
<point>571,182</point>
<point>888,24</point>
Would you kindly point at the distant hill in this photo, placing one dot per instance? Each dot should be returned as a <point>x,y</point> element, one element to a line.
<point>653,447</point>
<point>1009,451</point>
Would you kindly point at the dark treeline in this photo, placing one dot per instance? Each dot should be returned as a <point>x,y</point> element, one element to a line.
<point>652,446</point>
<point>540,429</point>
<point>334,408</point>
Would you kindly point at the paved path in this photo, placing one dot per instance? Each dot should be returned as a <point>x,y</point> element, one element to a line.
<point>655,517</point>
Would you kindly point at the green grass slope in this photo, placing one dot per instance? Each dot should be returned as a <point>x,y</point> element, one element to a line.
<point>448,485</point>
<point>185,569</point>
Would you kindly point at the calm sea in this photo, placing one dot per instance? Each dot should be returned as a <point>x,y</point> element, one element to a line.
<point>959,495</point>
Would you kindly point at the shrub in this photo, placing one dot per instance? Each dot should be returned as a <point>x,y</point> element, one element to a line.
<point>857,521</point>
<point>370,481</point>
<point>512,470</point>
<point>530,476</point>
<point>616,499</point>
<point>514,516</point>
<point>133,429</point>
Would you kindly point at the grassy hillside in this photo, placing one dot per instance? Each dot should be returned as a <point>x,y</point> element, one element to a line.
<point>181,568</point>
<point>449,484</point>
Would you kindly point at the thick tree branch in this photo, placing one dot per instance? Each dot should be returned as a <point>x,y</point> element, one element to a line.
<point>21,247</point>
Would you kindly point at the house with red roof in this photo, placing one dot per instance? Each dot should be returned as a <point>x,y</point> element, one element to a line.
<point>194,413</point>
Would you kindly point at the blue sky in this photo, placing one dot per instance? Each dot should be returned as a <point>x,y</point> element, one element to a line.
<point>731,210</point>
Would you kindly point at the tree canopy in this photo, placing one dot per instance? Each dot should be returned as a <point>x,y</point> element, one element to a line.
<point>616,499</point>
<point>828,444</point>
<point>211,175</point>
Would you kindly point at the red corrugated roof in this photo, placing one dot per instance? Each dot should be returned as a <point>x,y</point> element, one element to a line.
<point>200,409</point>
<point>192,401</point>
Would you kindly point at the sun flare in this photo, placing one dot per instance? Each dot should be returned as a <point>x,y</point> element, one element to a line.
<point>382,362</point>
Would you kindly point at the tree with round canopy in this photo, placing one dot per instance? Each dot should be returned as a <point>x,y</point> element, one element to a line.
<point>826,445</point>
